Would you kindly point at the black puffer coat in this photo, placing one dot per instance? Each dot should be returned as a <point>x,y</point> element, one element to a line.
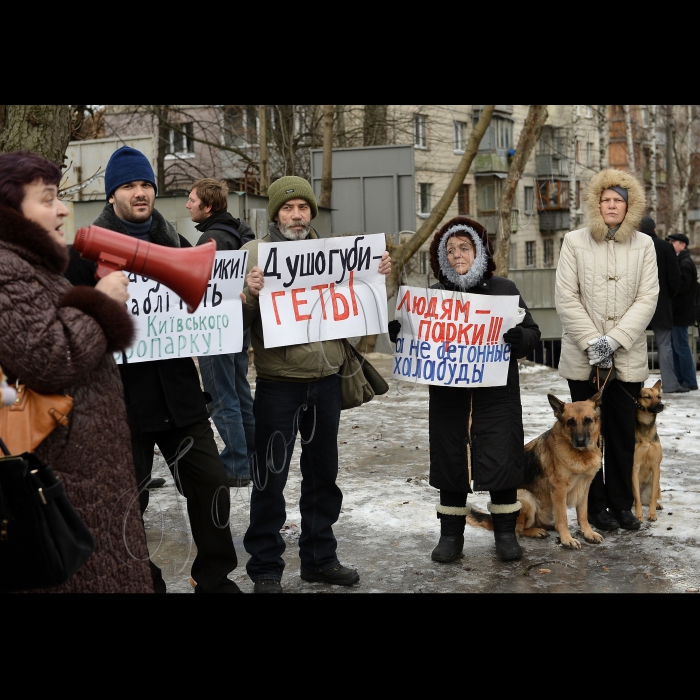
<point>684,301</point>
<point>497,436</point>
<point>669,280</point>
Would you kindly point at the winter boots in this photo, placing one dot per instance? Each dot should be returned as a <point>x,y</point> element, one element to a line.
<point>452,523</point>
<point>503,518</point>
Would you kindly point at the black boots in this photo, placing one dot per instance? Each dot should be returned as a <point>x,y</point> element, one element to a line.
<point>507,546</point>
<point>451,538</point>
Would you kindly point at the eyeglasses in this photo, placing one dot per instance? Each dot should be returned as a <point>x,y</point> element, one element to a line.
<point>464,250</point>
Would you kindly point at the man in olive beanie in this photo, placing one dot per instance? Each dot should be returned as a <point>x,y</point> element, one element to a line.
<point>297,392</point>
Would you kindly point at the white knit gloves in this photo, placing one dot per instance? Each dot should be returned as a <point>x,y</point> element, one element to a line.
<point>601,351</point>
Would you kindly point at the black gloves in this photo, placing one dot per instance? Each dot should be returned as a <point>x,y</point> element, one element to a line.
<point>515,337</point>
<point>394,330</point>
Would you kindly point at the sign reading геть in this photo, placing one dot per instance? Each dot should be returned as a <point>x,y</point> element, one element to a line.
<point>322,289</point>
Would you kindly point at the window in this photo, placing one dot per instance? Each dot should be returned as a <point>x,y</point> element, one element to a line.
<point>463,200</point>
<point>460,131</point>
<point>554,194</point>
<point>486,193</point>
<point>420,130</point>
<point>424,198</point>
<point>504,133</point>
<point>181,140</point>
<point>424,263</point>
<point>513,256</point>
<point>548,252</point>
<point>589,111</point>
<point>529,200</point>
<point>530,253</point>
<point>241,124</point>
<point>589,154</point>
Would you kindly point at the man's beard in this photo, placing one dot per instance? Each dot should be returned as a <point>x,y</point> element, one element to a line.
<point>295,234</point>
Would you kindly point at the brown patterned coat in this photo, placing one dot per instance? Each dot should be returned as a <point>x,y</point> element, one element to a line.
<point>58,338</point>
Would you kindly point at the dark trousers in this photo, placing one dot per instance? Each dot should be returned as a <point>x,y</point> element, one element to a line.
<point>612,485</point>
<point>281,410</point>
<point>194,461</point>
<point>457,499</point>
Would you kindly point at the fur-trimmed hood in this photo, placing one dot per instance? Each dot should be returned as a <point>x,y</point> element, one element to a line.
<point>479,235</point>
<point>31,242</point>
<point>636,205</point>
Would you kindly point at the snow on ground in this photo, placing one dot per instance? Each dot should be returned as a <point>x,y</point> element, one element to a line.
<point>388,525</point>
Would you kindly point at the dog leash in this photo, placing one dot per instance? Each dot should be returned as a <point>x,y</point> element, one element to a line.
<point>610,371</point>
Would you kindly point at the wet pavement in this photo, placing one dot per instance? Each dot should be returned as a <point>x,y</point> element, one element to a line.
<point>388,526</point>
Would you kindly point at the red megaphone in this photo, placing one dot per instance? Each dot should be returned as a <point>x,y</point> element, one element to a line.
<point>186,271</point>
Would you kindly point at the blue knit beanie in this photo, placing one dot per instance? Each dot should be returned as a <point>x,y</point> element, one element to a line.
<point>127,165</point>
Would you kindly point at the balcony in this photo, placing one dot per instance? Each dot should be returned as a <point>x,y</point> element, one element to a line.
<point>491,163</point>
<point>551,221</point>
<point>551,165</point>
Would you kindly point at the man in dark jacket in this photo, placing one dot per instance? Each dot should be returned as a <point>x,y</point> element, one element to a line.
<point>662,321</point>
<point>224,377</point>
<point>164,400</point>
<point>684,313</point>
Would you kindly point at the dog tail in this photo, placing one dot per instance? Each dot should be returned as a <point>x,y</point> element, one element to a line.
<point>478,518</point>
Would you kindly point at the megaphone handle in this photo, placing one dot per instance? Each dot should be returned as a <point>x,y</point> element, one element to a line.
<point>106,264</point>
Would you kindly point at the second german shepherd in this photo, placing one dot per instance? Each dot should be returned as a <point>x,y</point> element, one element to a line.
<point>646,469</point>
<point>559,467</point>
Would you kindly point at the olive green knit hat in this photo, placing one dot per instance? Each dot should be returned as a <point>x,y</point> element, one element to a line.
<point>286,188</point>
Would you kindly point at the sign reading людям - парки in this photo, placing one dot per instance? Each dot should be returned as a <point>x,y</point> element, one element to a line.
<point>164,328</point>
<point>452,338</point>
<point>322,289</point>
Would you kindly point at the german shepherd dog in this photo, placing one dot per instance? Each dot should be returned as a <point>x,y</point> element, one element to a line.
<point>559,467</point>
<point>646,469</point>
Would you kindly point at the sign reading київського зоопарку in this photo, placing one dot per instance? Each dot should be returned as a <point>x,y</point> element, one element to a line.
<point>165,330</point>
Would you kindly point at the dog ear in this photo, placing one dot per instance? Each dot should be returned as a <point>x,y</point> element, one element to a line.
<point>597,398</point>
<point>657,385</point>
<point>557,405</point>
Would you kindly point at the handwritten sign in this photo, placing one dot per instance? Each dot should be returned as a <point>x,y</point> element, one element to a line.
<point>165,330</point>
<point>322,289</point>
<point>453,339</point>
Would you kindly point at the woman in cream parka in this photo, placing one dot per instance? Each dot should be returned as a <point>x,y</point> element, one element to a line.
<point>606,292</point>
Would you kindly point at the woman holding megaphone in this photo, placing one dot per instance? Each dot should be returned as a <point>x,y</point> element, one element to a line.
<point>55,338</point>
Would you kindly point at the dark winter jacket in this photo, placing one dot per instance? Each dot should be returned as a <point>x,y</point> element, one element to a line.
<point>669,280</point>
<point>60,339</point>
<point>161,394</point>
<point>684,301</point>
<point>235,233</point>
<point>496,434</point>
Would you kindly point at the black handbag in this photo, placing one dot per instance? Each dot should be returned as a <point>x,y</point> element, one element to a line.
<point>43,540</point>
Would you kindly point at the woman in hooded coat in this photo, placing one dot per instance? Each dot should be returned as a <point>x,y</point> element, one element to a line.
<point>487,419</point>
<point>606,292</point>
<point>55,338</point>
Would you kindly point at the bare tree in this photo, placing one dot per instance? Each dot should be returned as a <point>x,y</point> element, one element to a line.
<point>327,175</point>
<point>529,136</point>
<point>652,137</point>
<point>573,160</point>
<point>603,137</point>
<point>630,139</point>
<point>264,162</point>
<point>374,127</point>
<point>43,129</point>
<point>403,253</point>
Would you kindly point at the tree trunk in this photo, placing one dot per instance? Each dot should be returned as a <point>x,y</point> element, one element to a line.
<point>162,113</point>
<point>374,125</point>
<point>670,137</point>
<point>264,165</point>
<point>529,136</point>
<point>653,193</point>
<point>403,253</point>
<point>43,129</point>
<point>327,175</point>
<point>603,136</point>
<point>573,218</point>
<point>630,140</point>
<point>341,135</point>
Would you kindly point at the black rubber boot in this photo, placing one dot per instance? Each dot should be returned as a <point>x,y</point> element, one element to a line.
<point>451,538</point>
<point>507,546</point>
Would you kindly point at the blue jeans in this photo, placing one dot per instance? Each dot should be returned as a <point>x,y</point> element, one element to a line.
<point>683,362</point>
<point>231,407</point>
<point>281,410</point>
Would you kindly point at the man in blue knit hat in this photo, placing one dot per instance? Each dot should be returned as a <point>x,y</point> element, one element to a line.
<point>165,403</point>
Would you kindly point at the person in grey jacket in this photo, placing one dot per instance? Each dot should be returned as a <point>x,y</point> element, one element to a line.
<point>607,287</point>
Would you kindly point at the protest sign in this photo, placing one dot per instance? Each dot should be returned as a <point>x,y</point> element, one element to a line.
<point>322,289</point>
<point>452,338</point>
<point>165,330</point>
